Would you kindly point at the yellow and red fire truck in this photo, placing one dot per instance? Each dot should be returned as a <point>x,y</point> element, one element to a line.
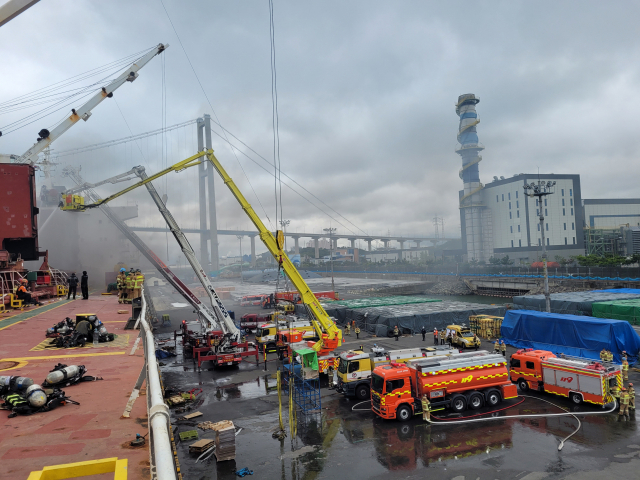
<point>465,380</point>
<point>579,379</point>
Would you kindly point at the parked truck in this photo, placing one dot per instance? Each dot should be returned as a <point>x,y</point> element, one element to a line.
<point>458,382</point>
<point>355,367</point>
<point>578,379</point>
<point>266,333</point>
<point>251,321</point>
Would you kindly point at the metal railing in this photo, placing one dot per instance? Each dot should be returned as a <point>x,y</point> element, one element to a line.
<point>160,451</point>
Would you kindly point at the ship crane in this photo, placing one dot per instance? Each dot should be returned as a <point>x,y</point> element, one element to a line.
<point>46,137</point>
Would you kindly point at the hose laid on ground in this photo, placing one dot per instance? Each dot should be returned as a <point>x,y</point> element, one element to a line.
<point>353,409</point>
<point>567,413</point>
<point>507,417</point>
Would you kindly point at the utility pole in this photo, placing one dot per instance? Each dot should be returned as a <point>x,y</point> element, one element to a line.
<point>240,238</point>
<point>540,190</point>
<point>330,231</point>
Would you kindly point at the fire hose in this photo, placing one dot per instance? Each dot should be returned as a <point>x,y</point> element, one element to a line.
<point>508,417</point>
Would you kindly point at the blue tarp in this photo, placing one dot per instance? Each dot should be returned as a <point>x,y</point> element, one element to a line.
<point>619,290</point>
<point>570,334</point>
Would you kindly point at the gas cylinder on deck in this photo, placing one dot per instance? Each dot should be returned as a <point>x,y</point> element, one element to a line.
<point>36,396</point>
<point>14,384</point>
<point>58,376</point>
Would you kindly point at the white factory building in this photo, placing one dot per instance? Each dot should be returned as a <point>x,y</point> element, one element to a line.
<point>511,219</point>
<point>498,219</point>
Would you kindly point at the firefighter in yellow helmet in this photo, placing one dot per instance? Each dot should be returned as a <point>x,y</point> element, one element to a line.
<point>625,370</point>
<point>624,402</point>
<point>426,409</point>
<point>138,282</point>
<point>121,281</point>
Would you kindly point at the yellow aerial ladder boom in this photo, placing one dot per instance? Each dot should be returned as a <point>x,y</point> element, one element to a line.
<point>178,167</point>
<point>275,247</point>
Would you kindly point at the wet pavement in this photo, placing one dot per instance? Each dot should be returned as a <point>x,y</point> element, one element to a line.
<point>345,438</point>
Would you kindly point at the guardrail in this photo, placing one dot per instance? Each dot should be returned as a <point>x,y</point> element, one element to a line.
<point>499,275</point>
<point>160,451</point>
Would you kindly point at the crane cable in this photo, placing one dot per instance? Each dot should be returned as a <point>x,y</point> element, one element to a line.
<point>233,150</point>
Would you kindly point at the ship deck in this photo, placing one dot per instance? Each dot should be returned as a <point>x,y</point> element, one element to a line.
<point>93,430</point>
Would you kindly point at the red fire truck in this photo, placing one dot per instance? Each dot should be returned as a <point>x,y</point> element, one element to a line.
<point>579,379</point>
<point>465,380</point>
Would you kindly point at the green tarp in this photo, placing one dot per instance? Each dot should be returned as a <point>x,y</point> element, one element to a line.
<point>628,310</point>
<point>309,357</point>
<point>379,301</point>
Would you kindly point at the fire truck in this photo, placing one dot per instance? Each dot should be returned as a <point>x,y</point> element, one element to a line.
<point>355,367</point>
<point>579,379</point>
<point>459,381</point>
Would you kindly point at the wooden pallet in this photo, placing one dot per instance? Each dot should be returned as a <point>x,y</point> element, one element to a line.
<point>201,445</point>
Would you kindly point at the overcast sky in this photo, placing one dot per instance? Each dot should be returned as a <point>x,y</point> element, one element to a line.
<point>366,99</point>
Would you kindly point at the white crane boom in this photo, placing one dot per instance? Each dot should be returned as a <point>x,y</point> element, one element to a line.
<point>123,177</point>
<point>224,319</point>
<point>84,112</point>
<point>13,8</point>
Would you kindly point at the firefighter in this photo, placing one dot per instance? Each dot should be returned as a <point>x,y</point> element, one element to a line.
<point>625,370</point>
<point>624,355</point>
<point>357,330</point>
<point>121,281</point>
<point>84,285</point>
<point>216,344</point>
<point>496,347</point>
<point>615,393</point>
<point>443,336</point>
<point>624,403</point>
<point>435,336</point>
<point>396,332</point>
<point>609,356</point>
<point>423,332</point>
<point>426,409</point>
<point>348,329</point>
<point>489,333</point>
<point>138,282</point>
<point>73,285</point>
<point>603,355</point>
<point>503,348</point>
<point>128,286</point>
<point>632,397</point>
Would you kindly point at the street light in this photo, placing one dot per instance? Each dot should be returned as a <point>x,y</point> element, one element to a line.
<point>330,231</point>
<point>539,190</point>
<point>239,237</point>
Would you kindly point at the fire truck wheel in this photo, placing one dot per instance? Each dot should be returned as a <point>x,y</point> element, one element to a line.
<point>458,403</point>
<point>575,398</point>
<point>247,331</point>
<point>493,398</point>
<point>523,385</point>
<point>403,413</point>
<point>362,392</point>
<point>476,400</point>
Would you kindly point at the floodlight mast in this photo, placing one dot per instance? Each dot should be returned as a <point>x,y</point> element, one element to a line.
<point>539,190</point>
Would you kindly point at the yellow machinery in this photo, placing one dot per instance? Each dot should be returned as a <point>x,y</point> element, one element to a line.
<point>329,334</point>
<point>322,322</point>
<point>71,202</point>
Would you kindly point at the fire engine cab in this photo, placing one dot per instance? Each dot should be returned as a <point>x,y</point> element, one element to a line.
<point>579,379</point>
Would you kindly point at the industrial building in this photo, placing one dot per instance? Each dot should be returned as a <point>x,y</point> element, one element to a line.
<point>498,219</point>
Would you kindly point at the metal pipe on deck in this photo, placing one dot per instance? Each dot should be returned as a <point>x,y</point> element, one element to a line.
<point>158,412</point>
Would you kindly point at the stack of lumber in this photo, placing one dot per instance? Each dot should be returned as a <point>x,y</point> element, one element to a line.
<point>225,440</point>
<point>201,445</point>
